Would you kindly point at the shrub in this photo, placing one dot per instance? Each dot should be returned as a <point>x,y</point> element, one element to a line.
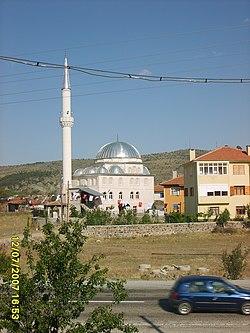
<point>234,263</point>
<point>223,218</point>
<point>98,217</point>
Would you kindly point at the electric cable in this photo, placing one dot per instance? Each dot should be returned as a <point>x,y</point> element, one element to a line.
<point>122,75</point>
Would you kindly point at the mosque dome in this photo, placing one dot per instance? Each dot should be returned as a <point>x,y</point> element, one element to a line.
<point>102,169</point>
<point>116,169</point>
<point>118,150</point>
<point>145,170</point>
<point>79,172</point>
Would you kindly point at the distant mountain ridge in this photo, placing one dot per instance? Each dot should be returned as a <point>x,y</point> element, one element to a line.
<point>45,177</point>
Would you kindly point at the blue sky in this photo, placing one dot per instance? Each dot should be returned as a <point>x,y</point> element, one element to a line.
<point>184,38</point>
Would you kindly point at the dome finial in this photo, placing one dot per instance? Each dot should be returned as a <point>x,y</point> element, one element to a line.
<point>117,138</point>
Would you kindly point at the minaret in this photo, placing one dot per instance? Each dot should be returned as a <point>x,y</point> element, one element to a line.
<point>66,122</point>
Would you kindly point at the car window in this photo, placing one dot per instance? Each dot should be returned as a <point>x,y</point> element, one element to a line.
<point>197,287</point>
<point>219,287</point>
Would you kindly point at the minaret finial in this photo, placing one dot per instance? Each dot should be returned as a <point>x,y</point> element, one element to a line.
<point>66,82</point>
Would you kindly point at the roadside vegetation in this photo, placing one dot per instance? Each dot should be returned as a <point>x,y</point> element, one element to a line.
<point>57,285</point>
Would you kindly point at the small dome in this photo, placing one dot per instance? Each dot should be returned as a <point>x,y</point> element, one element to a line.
<point>116,169</point>
<point>90,170</point>
<point>79,172</point>
<point>145,170</point>
<point>118,150</point>
<point>102,169</point>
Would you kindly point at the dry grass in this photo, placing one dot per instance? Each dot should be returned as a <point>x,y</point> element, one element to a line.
<point>123,256</point>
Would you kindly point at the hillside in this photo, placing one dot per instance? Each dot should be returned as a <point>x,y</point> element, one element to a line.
<point>44,177</point>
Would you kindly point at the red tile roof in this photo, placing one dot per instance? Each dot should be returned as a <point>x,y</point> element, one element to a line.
<point>179,181</point>
<point>158,188</point>
<point>225,154</point>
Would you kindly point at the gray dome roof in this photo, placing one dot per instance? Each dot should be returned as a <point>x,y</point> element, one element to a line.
<point>102,169</point>
<point>145,170</point>
<point>116,169</point>
<point>118,150</point>
<point>79,172</point>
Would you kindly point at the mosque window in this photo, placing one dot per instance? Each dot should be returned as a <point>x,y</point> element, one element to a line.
<point>131,195</point>
<point>120,181</point>
<point>111,195</point>
<point>131,181</point>
<point>104,180</point>
<point>110,181</point>
<point>104,195</point>
<point>129,170</point>
<point>137,195</point>
<point>134,169</point>
<point>137,181</point>
<point>120,195</point>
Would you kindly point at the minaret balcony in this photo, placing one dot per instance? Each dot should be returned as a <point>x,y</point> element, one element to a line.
<point>66,121</point>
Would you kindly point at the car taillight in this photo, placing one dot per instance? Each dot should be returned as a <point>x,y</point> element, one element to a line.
<point>175,295</point>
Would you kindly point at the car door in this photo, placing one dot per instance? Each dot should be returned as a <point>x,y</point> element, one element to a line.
<point>223,297</point>
<point>199,295</point>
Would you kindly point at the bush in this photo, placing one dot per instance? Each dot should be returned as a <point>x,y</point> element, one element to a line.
<point>98,217</point>
<point>223,218</point>
<point>234,263</point>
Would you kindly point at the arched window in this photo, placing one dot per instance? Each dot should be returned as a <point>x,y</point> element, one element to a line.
<point>131,195</point>
<point>104,195</point>
<point>120,181</point>
<point>110,181</point>
<point>104,181</point>
<point>131,181</point>
<point>137,181</point>
<point>137,195</point>
<point>120,195</point>
<point>110,195</point>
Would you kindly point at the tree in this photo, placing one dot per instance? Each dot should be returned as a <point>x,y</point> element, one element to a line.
<point>223,218</point>
<point>234,263</point>
<point>58,287</point>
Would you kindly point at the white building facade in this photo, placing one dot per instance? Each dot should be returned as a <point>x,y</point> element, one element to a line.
<point>120,176</point>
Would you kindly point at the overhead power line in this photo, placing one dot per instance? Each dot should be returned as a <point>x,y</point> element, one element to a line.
<point>122,75</point>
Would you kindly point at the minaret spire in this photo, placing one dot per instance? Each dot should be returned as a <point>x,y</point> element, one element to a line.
<point>66,82</point>
<point>66,122</point>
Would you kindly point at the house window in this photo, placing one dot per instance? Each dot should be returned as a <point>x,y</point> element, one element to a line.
<point>110,195</point>
<point>185,192</point>
<point>213,168</point>
<point>137,195</point>
<point>131,195</point>
<point>239,190</point>
<point>176,191</point>
<point>191,191</point>
<point>239,169</point>
<point>120,195</point>
<point>214,210</point>
<point>240,210</point>
<point>104,195</point>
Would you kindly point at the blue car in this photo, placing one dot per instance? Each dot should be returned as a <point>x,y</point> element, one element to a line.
<point>203,293</point>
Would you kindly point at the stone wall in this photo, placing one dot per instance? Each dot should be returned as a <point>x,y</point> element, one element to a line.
<point>142,230</point>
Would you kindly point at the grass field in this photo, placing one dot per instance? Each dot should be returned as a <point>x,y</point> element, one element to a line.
<point>123,256</point>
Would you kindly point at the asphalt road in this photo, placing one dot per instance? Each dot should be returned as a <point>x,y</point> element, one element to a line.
<point>147,308</point>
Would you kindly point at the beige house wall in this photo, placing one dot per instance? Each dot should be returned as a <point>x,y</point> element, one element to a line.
<point>201,204</point>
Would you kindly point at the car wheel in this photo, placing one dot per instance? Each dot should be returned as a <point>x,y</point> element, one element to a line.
<point>245,308</point>
<point>184,308</point>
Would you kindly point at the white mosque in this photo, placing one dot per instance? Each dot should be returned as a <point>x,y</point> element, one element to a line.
<point>117,180</point>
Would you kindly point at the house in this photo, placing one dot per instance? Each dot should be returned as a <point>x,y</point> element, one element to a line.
<point>217,180</point>
<point>158,192</point>
<point>174,194</point>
